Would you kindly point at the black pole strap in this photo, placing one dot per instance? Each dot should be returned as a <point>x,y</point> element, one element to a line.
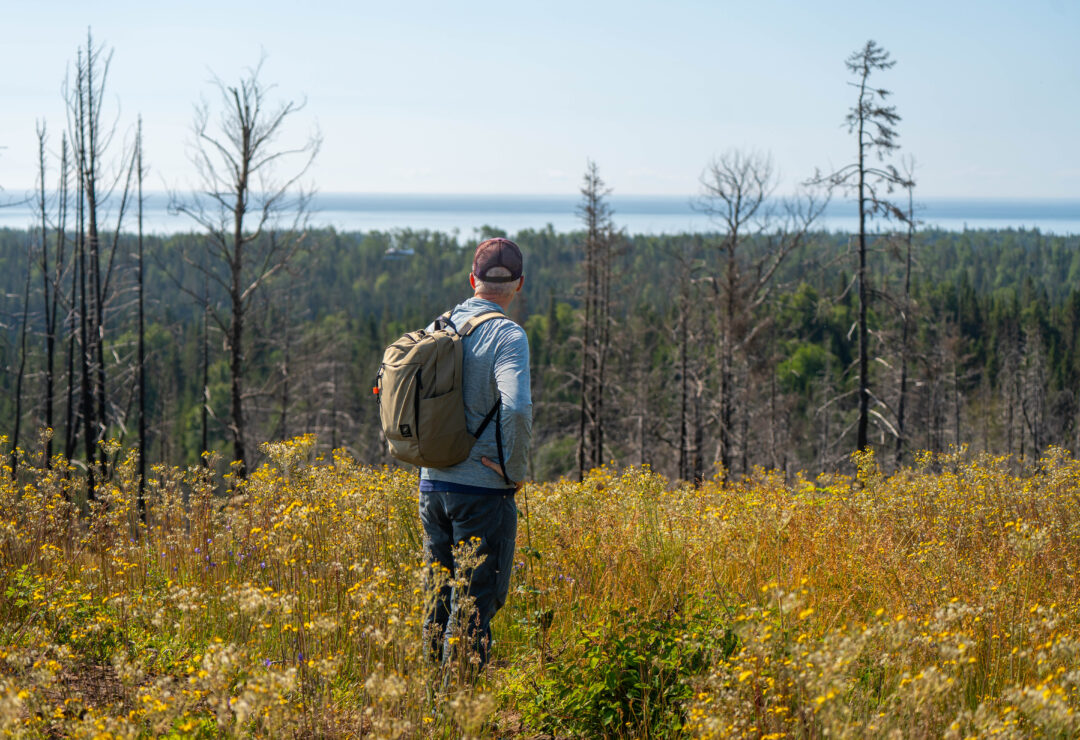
<point>496,414</point>
<point>499,445</point>
<point>487,419</point>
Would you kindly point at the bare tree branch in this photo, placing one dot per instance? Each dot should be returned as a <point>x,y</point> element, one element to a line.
<point>241,201</point>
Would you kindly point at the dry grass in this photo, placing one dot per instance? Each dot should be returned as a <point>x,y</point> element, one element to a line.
<point>941,601</point>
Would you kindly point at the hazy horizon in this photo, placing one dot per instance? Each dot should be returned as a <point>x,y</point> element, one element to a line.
<point>485,97</point>
<point>636,214</point>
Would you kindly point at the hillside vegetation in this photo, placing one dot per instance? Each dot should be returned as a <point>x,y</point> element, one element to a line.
<point>993,351</point>
<point>938,601</point>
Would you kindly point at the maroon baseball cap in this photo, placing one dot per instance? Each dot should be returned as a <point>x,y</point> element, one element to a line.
<point>497,260</point>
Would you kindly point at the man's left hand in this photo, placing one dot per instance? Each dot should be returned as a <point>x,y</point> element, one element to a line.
<point>498,469</point>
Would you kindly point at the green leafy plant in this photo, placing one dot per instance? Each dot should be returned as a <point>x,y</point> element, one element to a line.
<point>630,677</point>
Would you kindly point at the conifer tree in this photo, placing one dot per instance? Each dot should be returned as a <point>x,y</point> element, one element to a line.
<point>874,124</point>
<point>596,214</point>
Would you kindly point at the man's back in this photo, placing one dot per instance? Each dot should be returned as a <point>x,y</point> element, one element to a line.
<point>495,366</point>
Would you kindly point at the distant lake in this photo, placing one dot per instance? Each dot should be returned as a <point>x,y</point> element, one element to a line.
<point>637,214</point>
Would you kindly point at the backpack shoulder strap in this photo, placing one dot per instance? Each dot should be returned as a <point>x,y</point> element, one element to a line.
<point>467,328</point>
<point>444,321</point>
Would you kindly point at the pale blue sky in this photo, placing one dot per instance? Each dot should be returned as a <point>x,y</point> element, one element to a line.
<point>489,97</point>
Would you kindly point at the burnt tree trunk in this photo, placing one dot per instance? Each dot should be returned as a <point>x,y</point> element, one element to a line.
<point>141,361</point>
<point>22,367</point>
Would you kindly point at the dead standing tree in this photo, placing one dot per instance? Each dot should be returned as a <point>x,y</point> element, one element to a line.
<point>141,351</point>
<point>91,137</point>
<point>242,196</point>
<point>905,312</point>
<point>692,365</point>
<point>21,373</point>
<point>873,123</point>
<point>757,236</point>
<point>52,273</point>
<point>595,212</point>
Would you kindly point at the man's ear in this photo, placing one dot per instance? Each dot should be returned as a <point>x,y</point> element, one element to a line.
<point>521,282</point>
<point>472,281</point>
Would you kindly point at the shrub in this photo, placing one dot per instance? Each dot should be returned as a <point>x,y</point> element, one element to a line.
<point>630,676</point>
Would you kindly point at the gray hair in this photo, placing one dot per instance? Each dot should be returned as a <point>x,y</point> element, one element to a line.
<point>496,288</point>
<point>500,289</point>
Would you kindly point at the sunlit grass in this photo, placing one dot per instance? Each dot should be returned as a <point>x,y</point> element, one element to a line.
<point>940,601</point>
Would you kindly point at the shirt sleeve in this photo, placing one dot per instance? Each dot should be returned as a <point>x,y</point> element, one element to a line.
<point>514,385</point>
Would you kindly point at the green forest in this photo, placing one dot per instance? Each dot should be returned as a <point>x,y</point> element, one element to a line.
<point>993,356</point>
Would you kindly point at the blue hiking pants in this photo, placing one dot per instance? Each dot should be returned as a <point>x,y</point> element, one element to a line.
<point>450,518</point>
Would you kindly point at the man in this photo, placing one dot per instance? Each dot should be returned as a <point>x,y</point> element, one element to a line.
<point>473,501</point>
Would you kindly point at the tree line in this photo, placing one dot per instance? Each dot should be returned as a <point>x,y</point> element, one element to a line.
<point>768,342</point>
<point>993,350</point>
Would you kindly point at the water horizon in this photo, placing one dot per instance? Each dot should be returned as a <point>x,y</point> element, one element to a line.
<point>465,214</point>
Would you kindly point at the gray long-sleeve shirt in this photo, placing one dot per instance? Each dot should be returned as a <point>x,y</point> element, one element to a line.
<point>495,365</point>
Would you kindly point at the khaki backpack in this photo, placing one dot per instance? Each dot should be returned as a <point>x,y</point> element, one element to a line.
<point>421,407</point>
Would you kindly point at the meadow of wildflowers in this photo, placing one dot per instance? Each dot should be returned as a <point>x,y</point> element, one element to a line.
<point>940,601</point>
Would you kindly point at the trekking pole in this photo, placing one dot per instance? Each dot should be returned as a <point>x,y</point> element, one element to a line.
<point>528,535</point>
<point>528,530</point>
<point>532,605</point>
